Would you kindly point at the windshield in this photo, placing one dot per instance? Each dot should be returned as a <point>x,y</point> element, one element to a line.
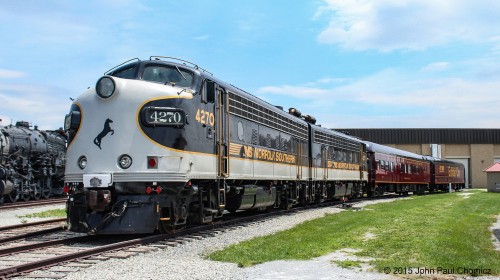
<point>126,73</point>
<point>168,74</point>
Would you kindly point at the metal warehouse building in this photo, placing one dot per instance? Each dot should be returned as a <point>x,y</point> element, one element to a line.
<point>477,149</point>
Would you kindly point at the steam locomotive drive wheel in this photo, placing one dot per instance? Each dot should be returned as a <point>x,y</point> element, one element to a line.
<point>25,194</point>
<point>13,196</point>
<point>37,194</point>
<point>46,191</point>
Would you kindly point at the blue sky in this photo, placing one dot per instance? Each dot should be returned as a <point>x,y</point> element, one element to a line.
<point>349,63</point>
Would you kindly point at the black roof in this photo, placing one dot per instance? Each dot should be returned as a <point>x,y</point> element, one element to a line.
<point>426,135</point>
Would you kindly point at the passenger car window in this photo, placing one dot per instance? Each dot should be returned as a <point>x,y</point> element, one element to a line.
<point>163,74</point>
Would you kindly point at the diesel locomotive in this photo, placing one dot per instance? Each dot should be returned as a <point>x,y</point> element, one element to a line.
<point>31,162</point>
<point>161,143</point>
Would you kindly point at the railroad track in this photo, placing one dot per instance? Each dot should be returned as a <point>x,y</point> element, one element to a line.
<point>21,204</point>
<point>22,231</point>
<point>71,252</point>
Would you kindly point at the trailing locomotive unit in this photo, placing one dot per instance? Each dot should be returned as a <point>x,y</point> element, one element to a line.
<point>338,164</point>
<point>162,143</point>
<point>31,162</point>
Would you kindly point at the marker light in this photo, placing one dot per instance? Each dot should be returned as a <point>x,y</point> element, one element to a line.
<point>152,162</point>
<point>149,190</point>
<point>159,189</point>
<point>125,161</point>
<point>105,87</point>
<point>82,162</point>
<point>66,189</point>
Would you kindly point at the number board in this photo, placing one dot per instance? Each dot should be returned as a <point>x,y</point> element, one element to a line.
<point>164,116</point>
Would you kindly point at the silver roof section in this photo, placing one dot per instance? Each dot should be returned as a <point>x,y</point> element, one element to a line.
<point>374,147</point>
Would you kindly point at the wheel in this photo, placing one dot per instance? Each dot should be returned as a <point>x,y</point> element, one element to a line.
<point>380,192</point>
<point>46,191</point>
<point>37,192</point>
<point>165,227</point>
<point>369,194</point>
<point>13,196</point>
<point>25,194</point>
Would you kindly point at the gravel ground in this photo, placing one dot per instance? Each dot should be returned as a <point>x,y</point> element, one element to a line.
<point>16,216</point>
<point>187,261</point>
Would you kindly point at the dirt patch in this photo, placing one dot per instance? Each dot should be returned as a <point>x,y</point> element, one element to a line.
<point>369,236</point>
<point>495,232</point>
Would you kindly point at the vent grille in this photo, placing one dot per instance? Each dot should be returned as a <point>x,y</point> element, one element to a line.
<point>250,110</point>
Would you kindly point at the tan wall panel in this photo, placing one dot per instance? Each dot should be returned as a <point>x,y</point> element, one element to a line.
<point>481,158</point>
<point>456,150</point>
<point>426,149</point>
<point>496,150</point>
<point>414,148</point>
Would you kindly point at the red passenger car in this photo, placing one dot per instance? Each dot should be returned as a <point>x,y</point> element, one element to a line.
<point>444,173</point>
<point>394,170</point>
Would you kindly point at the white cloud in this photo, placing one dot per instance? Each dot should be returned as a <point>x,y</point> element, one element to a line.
<point>393,98</point>
<point>436,67</point>
<point>202,37</point>
<point>294,91</point>
<point>10,74</point>
<point>39,105</point>
<point>388,25</point>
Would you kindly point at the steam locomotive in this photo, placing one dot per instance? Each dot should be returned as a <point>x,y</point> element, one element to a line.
<point>162,143</point>
<point>31,162</point>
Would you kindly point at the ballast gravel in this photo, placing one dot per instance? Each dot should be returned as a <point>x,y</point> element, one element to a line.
<point>188,260</point>
<point>17,216</point>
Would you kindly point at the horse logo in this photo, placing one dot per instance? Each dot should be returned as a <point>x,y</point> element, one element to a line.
<point>107,129</point>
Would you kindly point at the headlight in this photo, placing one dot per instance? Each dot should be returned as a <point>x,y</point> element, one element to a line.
<point>82,162</point>
<point>67,122</point>
<point>105,87</point>
<point>125,161</point>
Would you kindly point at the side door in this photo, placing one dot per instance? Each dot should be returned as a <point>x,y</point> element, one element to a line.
<point>222,131</point>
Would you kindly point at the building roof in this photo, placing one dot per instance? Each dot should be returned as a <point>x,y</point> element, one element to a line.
<point>426,135</point>
<point>495,167</point>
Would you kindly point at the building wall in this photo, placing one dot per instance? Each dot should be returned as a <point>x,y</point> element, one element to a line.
<point>481,158</point>
<point>496,153</point>
<point>493,180</point>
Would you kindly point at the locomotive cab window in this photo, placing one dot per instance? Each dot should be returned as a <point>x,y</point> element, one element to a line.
<point>125,73</point>
<point>168,75</point>
<point>208,92</point>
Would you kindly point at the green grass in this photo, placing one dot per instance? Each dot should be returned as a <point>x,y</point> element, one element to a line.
<point>444,230</point>
<point>54,213</point>
<point>348,264</point>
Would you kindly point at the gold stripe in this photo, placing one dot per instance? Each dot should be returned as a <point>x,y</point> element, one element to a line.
<point>234,149</point>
